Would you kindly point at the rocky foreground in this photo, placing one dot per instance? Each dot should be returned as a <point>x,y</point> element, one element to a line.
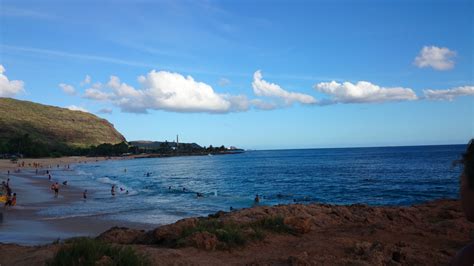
<point>427,234</point>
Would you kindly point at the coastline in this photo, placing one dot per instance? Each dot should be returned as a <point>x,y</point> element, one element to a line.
<point>320,234</point>
<point>428,233</point>
<point>22,224</point>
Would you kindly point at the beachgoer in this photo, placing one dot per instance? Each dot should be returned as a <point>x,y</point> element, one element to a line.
<point>8,173</point>
<point>466,255</point>
<point>199,195</point>
<point>84,194</point>
<point>257,199</point>
<point>11,200</point>
<point>126,192</point>
<point>169,188</point>
<point>112,191</point>
<point>49,177</point>
<point>9,190</point>
<point>65,183</point>
<point>231,209</point>
<point>55,188</point>
<point>184,189</point>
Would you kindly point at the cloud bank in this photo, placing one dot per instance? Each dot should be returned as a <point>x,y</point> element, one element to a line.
<point>449,94</point>
<point>9,88</point>
<point>173,92</point>
<point>435,57</point>
<point>363,92</point>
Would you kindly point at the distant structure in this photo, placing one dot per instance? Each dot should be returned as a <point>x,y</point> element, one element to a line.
<point>177,142</point>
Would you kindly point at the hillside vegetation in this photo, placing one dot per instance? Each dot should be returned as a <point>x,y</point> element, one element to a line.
<point>53,126</point>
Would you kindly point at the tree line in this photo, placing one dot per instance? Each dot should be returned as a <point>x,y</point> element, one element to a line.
<point>25,146</point>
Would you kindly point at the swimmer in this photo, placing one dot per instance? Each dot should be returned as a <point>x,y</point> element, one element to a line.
<point>112,191</point>
<point>199,195</point>
<point>84,194</point>
<point>257,199</point>
<point>65,183</point>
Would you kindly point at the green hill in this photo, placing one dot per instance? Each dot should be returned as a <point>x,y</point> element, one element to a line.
<point>54,126</point>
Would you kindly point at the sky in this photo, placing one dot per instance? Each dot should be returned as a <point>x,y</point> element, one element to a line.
<point>252,74</point>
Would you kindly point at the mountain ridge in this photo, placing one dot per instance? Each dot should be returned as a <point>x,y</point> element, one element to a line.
<point>53,125</point>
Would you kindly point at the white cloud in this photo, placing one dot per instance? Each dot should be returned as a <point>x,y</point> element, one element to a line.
<point>264,88</point>
<point>262,105</point>
<point>363,92</point>
<point>162,90</point>
<point>77,108</point>
<point>449,94</point>
<point>105,111</point>
<point>69,89</point>
<point>87,80</point>
<point>435,57</point>
<point>223,82</point>
<point>95,93</point>
<point>9,88</point>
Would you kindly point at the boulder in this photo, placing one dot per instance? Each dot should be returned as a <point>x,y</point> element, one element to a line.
<point>299,224</point>
<point>121,235</point>
<point>169,234</point>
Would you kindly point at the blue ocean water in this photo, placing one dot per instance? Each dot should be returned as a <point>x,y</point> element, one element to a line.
<point>375,176</point>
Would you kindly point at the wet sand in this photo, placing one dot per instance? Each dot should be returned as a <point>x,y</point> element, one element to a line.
<point>22,224</point>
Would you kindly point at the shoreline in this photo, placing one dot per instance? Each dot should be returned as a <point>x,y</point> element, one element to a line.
<point>320,234</point>
<point>427,233</point>
<point>22,224</point>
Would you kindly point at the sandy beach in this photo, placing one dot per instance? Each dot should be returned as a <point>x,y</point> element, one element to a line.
<point>22,225</point>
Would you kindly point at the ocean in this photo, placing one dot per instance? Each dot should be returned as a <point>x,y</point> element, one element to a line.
<point>376,176</point>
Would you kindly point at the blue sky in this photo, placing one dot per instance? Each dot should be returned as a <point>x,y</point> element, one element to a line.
<point>254,74</point>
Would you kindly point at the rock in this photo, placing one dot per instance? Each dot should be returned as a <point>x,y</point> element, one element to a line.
<point>104,261</point>
<point>168,234</point>
<point>203,240</point>
<point>299,224</point>
<point>398,256</point>
<point>121,235</point>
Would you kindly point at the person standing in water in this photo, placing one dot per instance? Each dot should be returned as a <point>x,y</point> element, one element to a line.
<point>84,194</point>
<point>11,201</point>
<point>55,188</point>
<point>112,191</point>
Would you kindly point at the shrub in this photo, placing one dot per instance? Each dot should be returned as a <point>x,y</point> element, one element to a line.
<point>232,234</point>
<point>87,251</point>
